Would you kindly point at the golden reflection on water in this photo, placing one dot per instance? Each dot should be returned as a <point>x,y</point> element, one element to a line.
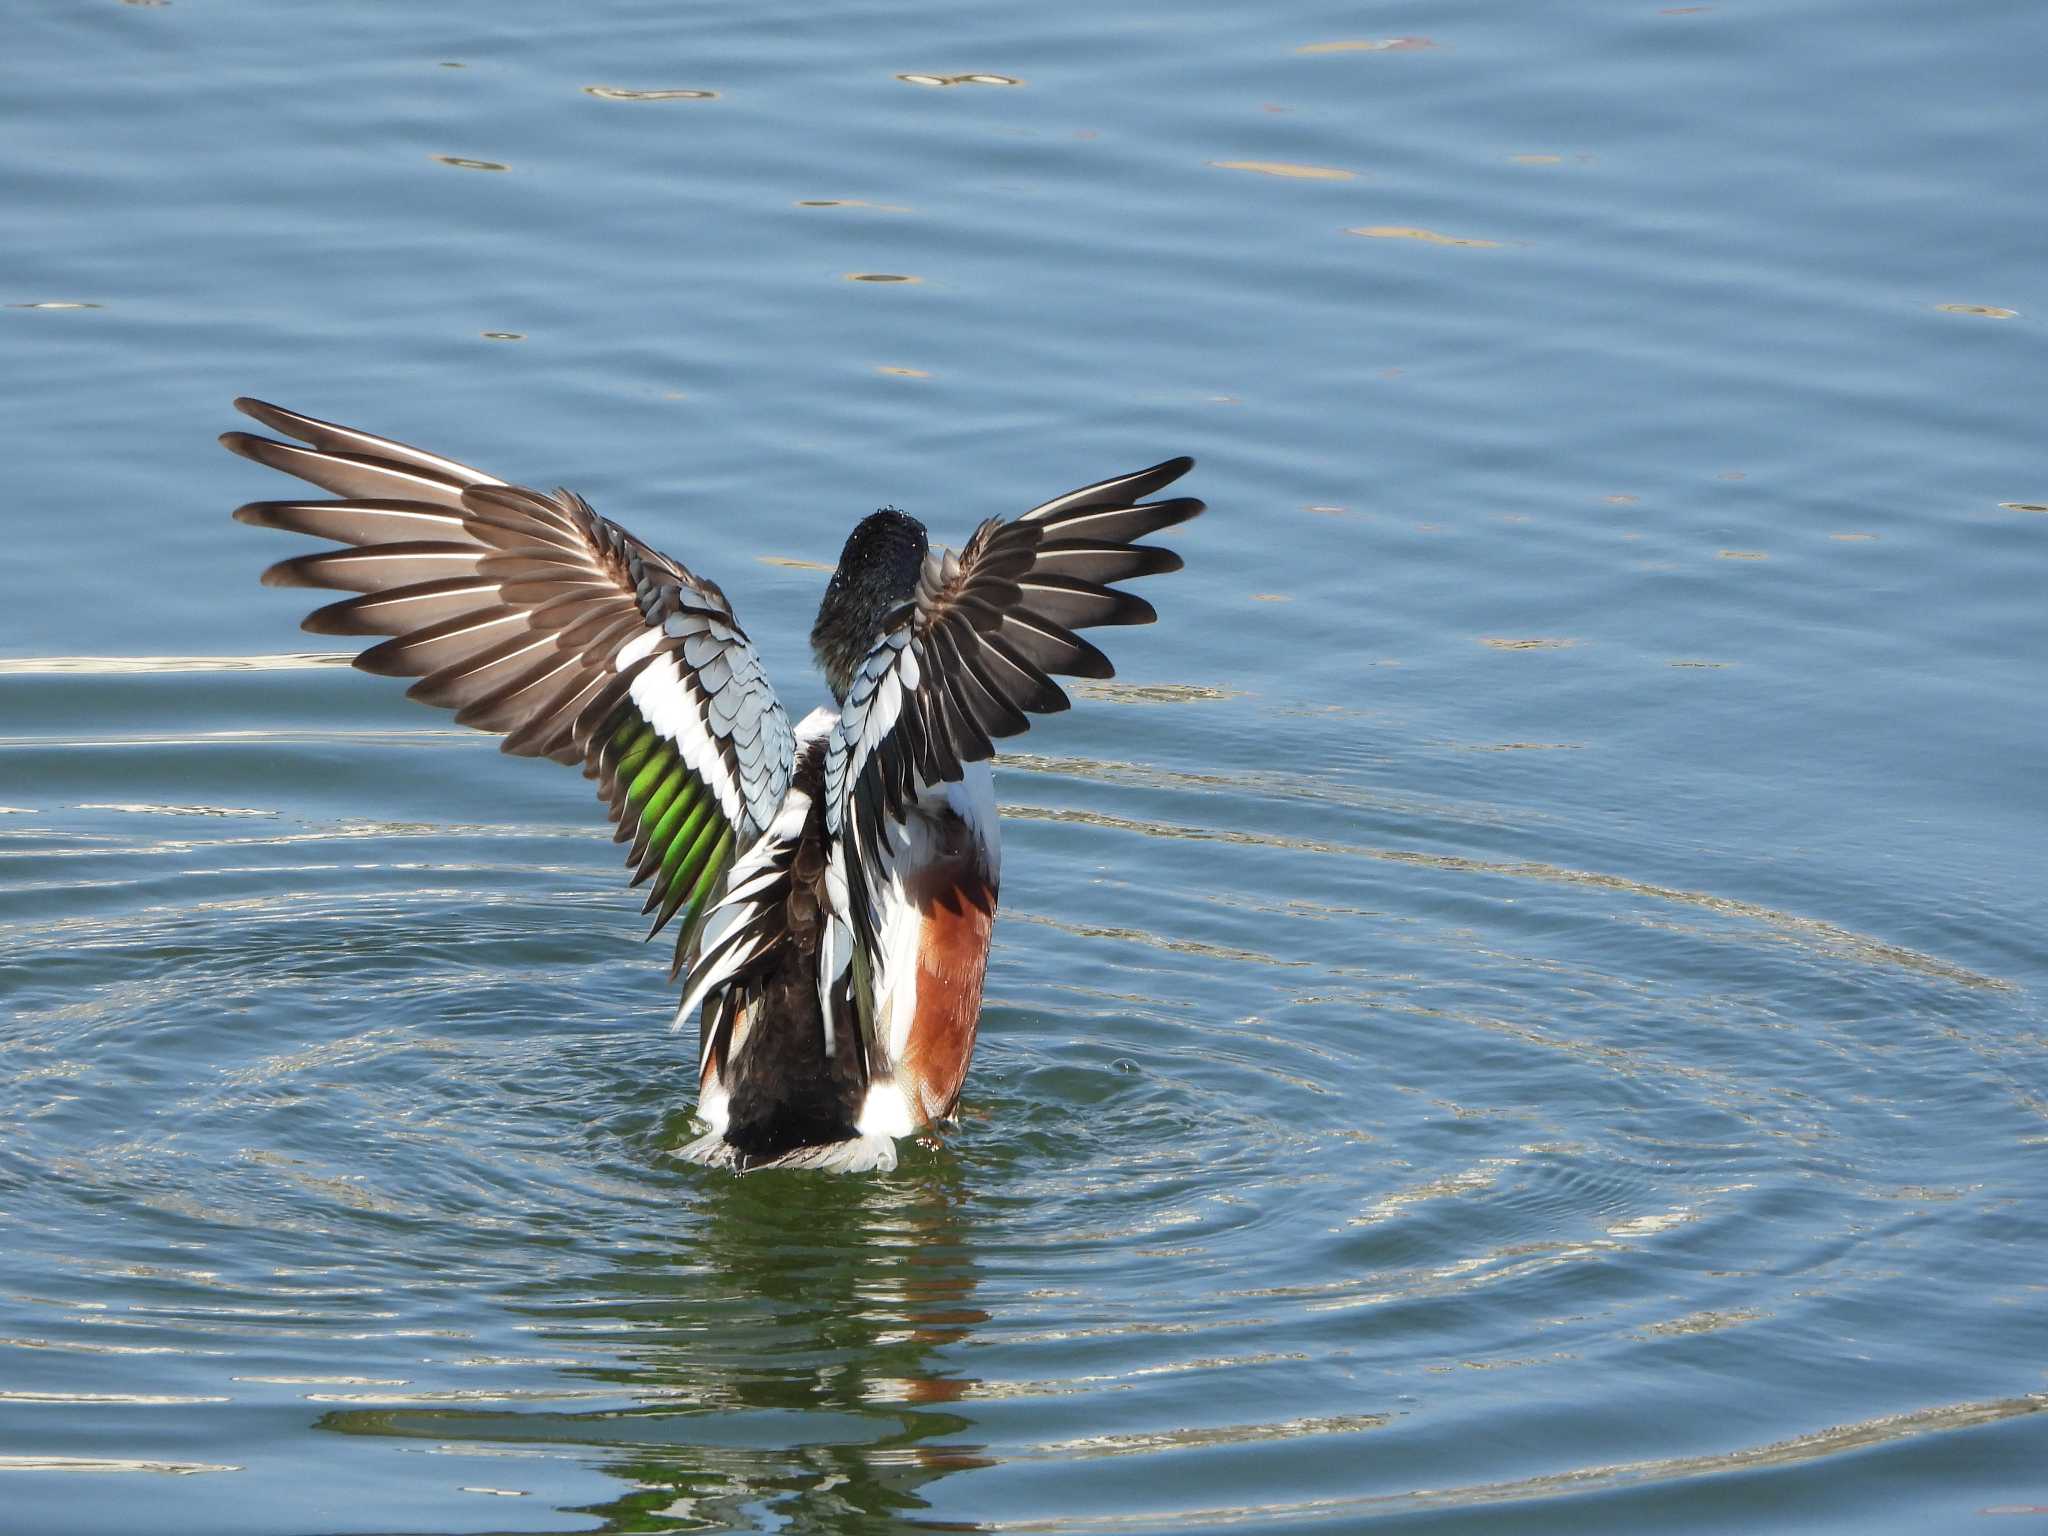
<point>1831,937</point>
<point>1149,1443</point>
<point>942,81</point>
<point>1370,45</point>
<point>897,371</point>
<point>1426,236</point>
<point>393,736</point>
<point>54,666</point>
<point>1279,784</point>
<point>1836,1440</point>
<point>622,93</point>
<point>1065,1386</point>
<point>95,1347</point>
<point>102,1464</point>
<point>141,809</point>
<point>1287,168</point>
<point>1477,1179</point>
<point>1987,311</point>
<point>1150,940</point>
<point>850,202</point>
<point>1702,1322</point>
<point>1113,692</point>
<point>127,1399</point>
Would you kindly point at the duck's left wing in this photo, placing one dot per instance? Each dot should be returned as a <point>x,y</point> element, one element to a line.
<point>971,656</point>
<point>532,616</point>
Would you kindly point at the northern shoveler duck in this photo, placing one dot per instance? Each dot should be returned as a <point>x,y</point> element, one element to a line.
<point>836,881</point>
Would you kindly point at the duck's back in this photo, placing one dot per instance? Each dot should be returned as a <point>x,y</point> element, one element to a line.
<point>778,1086</point>
<point>768,1085</point>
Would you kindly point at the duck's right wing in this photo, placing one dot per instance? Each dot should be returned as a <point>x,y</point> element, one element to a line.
<point>532,616</point>
<point>967,660</point>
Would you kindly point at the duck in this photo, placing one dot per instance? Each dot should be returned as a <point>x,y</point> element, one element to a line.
<point>831,885</point>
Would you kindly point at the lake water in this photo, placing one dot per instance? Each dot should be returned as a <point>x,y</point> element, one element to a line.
<point>1522,1007</point>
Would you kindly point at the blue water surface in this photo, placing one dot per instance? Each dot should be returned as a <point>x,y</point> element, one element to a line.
<point>1519,1009</point>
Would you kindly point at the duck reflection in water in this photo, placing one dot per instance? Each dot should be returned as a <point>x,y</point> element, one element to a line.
<point>788,1350</point>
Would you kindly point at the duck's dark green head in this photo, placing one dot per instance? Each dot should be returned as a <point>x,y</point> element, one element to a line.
<point>877,574</point>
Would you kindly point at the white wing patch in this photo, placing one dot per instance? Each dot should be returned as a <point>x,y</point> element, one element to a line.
<point>706,692</point>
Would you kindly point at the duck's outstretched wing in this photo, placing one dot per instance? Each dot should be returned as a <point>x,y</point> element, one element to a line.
<point>532,616</point>
<point>971,656</point>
